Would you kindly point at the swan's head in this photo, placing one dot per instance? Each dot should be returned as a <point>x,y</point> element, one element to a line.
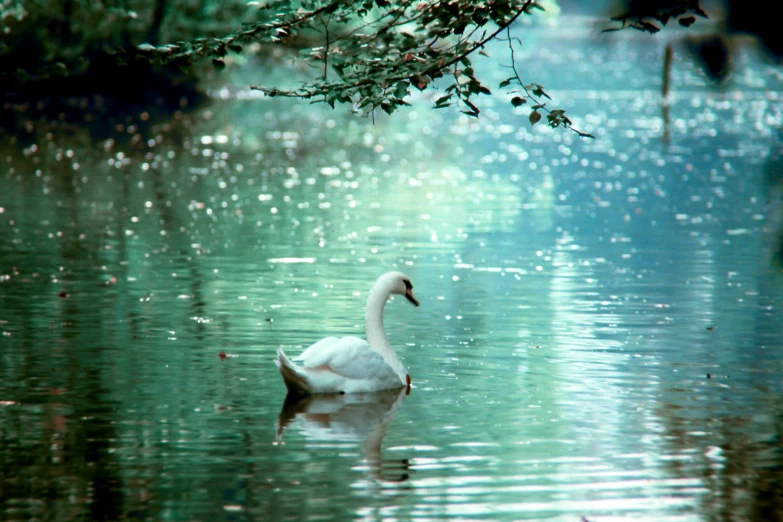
<point>398,283</point>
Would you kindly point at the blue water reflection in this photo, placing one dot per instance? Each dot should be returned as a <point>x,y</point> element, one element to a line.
<point>599,336</point>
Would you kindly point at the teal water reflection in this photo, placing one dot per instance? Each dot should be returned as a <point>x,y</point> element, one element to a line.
<point>599,336</point>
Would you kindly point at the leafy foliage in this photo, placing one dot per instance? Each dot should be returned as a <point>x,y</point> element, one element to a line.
<point>645,15</point>
<point>378,51</point>
<point>41,39</point>
<point>371,54</point>
<point>374,53</point>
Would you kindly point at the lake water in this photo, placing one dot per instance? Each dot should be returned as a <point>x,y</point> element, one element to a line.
<point>600,334</point>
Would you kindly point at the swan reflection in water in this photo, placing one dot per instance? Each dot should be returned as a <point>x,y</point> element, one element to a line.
<point>360,417</point>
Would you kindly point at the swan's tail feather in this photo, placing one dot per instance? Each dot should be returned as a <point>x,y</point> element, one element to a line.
<point>294,381</point>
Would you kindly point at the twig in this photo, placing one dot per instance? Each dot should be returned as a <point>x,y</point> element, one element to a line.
<point>538,103</point>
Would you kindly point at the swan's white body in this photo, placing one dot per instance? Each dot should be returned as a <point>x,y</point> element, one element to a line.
<point>350,364</point>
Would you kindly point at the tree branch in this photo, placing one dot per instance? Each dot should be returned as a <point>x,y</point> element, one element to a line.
<point>435,68</point>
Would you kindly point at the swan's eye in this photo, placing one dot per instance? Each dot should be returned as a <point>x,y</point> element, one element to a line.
<point>408,285</point>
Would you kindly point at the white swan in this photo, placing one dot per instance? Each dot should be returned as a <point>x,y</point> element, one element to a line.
<point>350,364</point>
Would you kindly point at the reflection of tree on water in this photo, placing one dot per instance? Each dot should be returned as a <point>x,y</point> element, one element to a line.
<point>773,180</point>
<point>59,430</point>
<point>739,459</point>
<point>56,435</point>
<point>56,442</point>
<point>349,417</point>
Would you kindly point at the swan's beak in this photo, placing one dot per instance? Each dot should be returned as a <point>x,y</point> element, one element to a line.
<point>409,297</point>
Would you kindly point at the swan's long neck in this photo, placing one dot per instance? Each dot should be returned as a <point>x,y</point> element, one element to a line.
<point>376,335</point>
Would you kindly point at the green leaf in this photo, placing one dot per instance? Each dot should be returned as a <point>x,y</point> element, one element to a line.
<point>539,91</point>
<point>219,65</point>
<point>687,21</point>
<point>647,27</point>
<point>401,90</point>
<point>507,82</point>
<point>443,101</point>
<point>235,48</point>
<point>516,101</point>
<point>534,117</point>
<point>473,108</point>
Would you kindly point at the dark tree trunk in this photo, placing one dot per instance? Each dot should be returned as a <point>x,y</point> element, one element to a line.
<point>153,35</point>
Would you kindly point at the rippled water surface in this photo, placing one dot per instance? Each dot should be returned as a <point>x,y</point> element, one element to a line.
<point>600,331</point>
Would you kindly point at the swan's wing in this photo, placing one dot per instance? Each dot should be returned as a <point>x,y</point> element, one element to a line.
<point>350,357</point>
<point>317,352</point>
